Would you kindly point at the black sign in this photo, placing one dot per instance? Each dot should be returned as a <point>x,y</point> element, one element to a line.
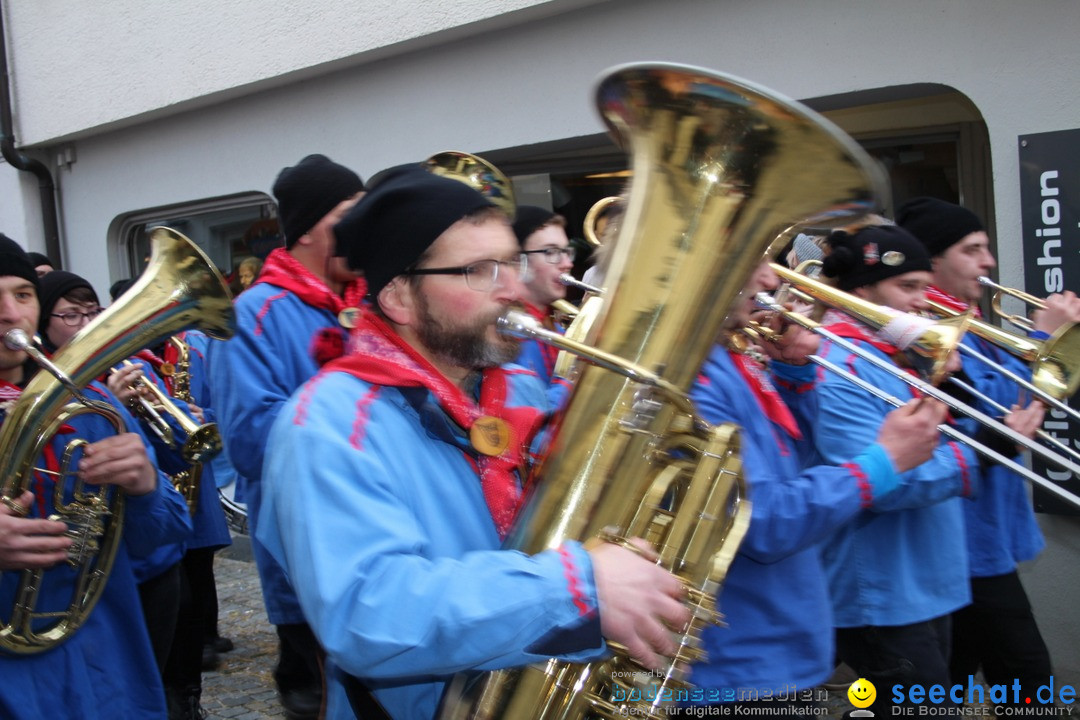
<point>1050,211</point>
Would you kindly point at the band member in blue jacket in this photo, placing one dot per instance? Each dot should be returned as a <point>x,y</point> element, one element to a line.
<point>777,636</point>
<point>288,323</point>
<point>393,475</point>
<point>106,668</point>
<point>899,571</point>
<point>542,236</point>
<point>997,631</point>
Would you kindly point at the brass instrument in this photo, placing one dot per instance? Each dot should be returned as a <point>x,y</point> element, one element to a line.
<point>197,443</point>
<point>1055,373</point>
<point>593,216</point>
<point>720,168</point>
<point>995,301</point>
<point>927,344</point>
<point>187,481</point>
<point>179,289</point>
<point>477,173</point>
<point>929,389</point>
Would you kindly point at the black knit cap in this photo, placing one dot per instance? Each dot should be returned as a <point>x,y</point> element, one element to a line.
<point>391,227</point>
<point>529,219</point>
<point>37,258</point>
<point>873,254</point>
<point>309,190</point>
<point>15,262</point>
<point>937,224</point>
<point>54,286</point>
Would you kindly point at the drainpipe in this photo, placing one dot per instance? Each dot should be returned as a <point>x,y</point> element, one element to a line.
<point>21,161</point>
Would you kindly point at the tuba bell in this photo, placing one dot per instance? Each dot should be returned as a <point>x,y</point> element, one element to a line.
<point>180,289</point>
<point>720,169</point>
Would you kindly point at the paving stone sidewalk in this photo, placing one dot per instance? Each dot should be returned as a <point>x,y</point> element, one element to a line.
<point>242,688</point>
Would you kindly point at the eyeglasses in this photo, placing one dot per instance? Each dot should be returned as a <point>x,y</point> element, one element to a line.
<point>73,317</point>
<point>553,255</point>
<point>482,274</point>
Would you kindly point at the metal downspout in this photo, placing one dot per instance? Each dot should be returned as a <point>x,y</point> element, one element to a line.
<point>21,161</point>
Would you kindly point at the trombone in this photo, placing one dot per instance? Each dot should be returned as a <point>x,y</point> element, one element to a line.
<point>1054,374</point>
<point>932,347</point>
<point>995,301</point>
<point>766,301</point>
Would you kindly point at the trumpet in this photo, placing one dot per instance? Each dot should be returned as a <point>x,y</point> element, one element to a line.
<point>197,443</point>
<point>766,301</point>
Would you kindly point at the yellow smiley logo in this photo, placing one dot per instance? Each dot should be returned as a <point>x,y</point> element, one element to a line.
<point>862,693</point>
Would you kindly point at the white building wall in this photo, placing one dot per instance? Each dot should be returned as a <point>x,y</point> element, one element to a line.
<point>205,99</point>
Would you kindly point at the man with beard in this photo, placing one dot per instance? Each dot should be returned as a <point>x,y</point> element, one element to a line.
<point>287,323</point>
<point>393,476</point>
<point>997,632</point>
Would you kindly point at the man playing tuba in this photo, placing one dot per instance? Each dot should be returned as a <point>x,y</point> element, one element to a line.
<point>387,494</point>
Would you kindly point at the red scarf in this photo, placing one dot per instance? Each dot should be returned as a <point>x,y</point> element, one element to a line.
<point>766,394</point>
<point>9,393</point>
<point>381,357</point>
<point>282,270</point>
<point>953,303</point>
<point>286,272</point>
<point>549,353</point>
<point>844,326</point>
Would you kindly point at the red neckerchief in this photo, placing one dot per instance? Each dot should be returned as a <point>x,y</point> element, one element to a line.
<point>846,327</point>
<point>953,303</point>
<point>381,357</point>
<point>549,353</point>
<point>9,393</point>
<point>282,270</point>
<point>766,394</point>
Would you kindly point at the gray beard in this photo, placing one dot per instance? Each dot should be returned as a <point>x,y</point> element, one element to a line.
<point>464,346</point>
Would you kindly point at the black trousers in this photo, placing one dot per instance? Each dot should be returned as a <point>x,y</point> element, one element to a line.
<point>160,599</point>
<point>300,659</point>
<point>998,633</point>
<point>898,654</point>
<point>183,671</point>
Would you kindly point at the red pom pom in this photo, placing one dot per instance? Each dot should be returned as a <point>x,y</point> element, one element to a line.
<point>329,344</point>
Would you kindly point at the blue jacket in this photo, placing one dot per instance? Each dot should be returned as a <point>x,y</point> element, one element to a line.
<point>778,630</point>
<point>252,375</point>
<point>1000,524</point>
<point>106,669</point>
<point>373,505</point>
<point>904,561</point>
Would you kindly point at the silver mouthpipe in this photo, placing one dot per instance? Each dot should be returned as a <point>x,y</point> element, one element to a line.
<point>571,281</point>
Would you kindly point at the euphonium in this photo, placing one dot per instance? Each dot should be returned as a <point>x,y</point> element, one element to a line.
<point>179,289</point>
<point>720,169</point>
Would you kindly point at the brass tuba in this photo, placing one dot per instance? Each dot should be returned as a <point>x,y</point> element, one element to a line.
<point>180,289</point>
<point>720,169</point>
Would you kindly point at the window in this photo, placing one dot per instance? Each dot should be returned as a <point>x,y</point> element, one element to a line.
<point>227,229</point>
